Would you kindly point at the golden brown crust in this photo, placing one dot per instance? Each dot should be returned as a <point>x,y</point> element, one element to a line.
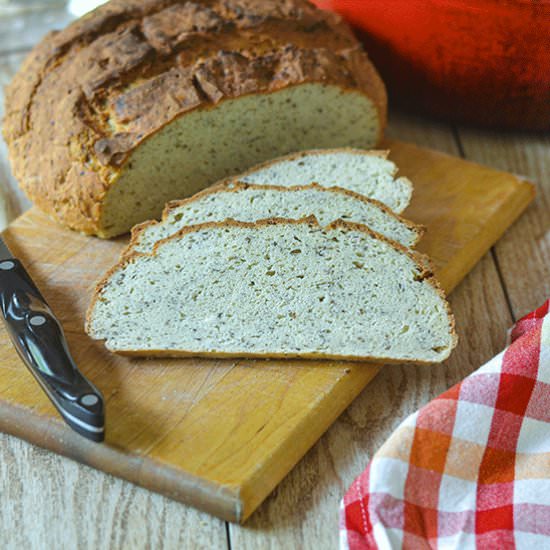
<point>90,94</point>
<point>421,261</point>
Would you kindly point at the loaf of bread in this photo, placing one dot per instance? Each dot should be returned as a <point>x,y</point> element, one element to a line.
<point>145,101</point>
<point>369,173</point>
<point>249,203</point>
<point>275,288</point>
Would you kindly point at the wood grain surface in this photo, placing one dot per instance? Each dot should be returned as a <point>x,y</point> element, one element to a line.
<point>100,511</point>
<point>523,255</point>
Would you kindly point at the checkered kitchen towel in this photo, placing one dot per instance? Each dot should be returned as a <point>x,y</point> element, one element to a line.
<point>472,468</point>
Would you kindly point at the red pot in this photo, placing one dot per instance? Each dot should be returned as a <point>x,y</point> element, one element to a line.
<point>477,61</point>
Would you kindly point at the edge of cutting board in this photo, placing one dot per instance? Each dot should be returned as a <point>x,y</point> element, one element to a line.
<point>229,502</point>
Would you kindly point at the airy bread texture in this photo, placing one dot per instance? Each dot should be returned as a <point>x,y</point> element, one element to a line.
<point>144,101</point>
<point>275,288</point>
<point>369,173</point>
<point>249,203</point>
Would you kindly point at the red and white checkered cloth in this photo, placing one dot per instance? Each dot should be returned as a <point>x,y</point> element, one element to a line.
<point>472,468</point>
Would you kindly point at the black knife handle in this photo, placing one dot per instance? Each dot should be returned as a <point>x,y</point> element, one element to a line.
<point>39,339</point>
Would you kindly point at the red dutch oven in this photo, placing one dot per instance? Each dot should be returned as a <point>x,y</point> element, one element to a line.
<point>485,62</point>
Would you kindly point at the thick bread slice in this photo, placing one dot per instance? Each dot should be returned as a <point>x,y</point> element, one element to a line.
<point>366,172</point>
<point>249,203</point>
<point>275,288</point>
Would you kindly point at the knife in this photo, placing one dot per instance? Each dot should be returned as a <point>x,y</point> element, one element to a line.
<point>40,342</point>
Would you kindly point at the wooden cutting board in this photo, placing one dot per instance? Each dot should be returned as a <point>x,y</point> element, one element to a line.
<point>220,435</point>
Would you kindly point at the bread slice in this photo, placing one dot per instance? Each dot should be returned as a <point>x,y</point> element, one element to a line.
<point>250,203</point>
<point>369,173</point>
<point>275,288</point>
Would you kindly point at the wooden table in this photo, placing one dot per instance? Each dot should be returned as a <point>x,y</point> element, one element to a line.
<point>51,502</point>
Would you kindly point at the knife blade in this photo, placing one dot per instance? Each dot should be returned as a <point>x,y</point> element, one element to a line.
<point>40,341</point>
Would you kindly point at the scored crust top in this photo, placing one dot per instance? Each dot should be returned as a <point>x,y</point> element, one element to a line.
<point>86,96</point>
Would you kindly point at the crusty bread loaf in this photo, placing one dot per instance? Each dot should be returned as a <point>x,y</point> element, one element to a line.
<point>369,173</point>
<point>144,101</point>
<point>275,288</point>
<point>249,203</point>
